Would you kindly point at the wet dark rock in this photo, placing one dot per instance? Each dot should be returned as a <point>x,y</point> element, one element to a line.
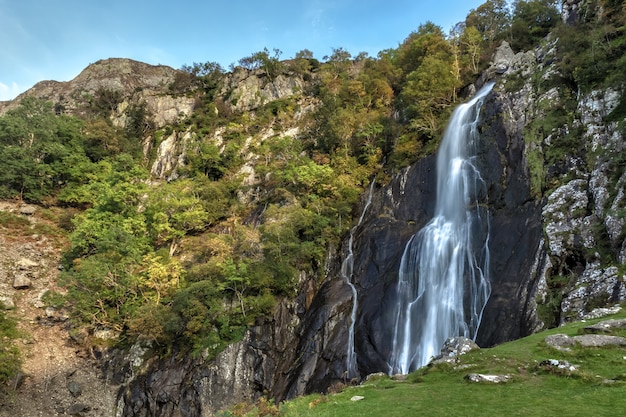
<point>398,211</point>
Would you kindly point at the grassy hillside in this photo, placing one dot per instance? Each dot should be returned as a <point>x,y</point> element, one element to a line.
<point>595,388</point>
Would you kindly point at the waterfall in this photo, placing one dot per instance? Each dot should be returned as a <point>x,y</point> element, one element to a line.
<point>443,282</point>
<point>347,267</point>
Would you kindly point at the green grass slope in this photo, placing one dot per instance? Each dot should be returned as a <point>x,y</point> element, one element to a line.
<point>596,388</point>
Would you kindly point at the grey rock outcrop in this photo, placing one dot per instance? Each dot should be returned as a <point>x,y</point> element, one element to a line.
<point>606,326</point>
<point>486,378</point>
<point>582,222</point>
<point>246,90</point>
<point>136,83</point>
<point>596,285</point>
<point>189,387</point>
<point>564,342</point>
<point>453,348</point>
<point>565,218</point>
<point>569,11</point>
<point>170,155</point>
<point>21,282</point>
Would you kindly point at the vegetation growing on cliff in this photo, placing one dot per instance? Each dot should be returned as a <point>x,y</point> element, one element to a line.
<point>10,357</point>
<point>192,262</point>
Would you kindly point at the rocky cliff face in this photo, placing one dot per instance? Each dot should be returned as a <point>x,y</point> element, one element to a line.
<point>134,82</point>
<point>304,348</point>
<point>175,386</point>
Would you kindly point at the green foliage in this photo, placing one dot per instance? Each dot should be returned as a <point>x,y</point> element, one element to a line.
<point>104,102</point>
<point>10,357</point>
<point>593,52</point>
<point>36,147</point>
<point>303,63</point>
<point>491,19</point>
<point>263,60</point>
<point>204,75</point>
<point>532,20</point>
<point>549,308</point>
<point>138,125</point>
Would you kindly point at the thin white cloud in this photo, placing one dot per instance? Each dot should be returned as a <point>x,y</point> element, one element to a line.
<point>315,15</point>
<point>9,92</point>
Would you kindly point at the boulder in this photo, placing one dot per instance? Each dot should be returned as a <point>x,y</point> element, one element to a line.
<point>453,348</point>
<point>555,364</point>
<point>28,209</point>
<point>78,409</point>
<point>21,282</point>
<point>597,340</point>
<point>26,264</point>
<point>74,388</point>
<point>6,302</point>
<point>560,342</point>
<point>564,342</point>
<point>606,326</point>
<point>491,379</point>
<point>601,312</point>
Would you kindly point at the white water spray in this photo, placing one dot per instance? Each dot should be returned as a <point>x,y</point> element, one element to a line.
<point>443,283</point>
<point>347,268</point>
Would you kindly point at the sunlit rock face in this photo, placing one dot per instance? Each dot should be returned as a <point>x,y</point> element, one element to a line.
<point>582,220</point>
<point>248,89</point>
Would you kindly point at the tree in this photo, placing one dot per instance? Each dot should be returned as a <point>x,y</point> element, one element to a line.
<point>304,62</point>
<point>206,75</point>
<point>160,275</point>
<point>532,21</point>
<point>491,19</point>
<point>471,47</point>
<point>428,38</point>
<point>236,279</point>
<point>430,89</point>
<point>175,210</point>
<point>430,79</point>
<point>35,144</point>
<point>263,60</point>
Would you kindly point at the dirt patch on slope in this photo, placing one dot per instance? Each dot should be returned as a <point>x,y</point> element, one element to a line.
<point>58,377</point>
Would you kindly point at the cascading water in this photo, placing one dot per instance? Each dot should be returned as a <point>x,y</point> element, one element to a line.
<point>443,283</point>
<point>346,272</point>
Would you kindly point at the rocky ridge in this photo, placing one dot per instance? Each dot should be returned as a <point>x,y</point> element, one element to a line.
<point>135,82</point>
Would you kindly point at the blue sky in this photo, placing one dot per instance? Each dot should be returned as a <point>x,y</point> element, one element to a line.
<point>55,40</point>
